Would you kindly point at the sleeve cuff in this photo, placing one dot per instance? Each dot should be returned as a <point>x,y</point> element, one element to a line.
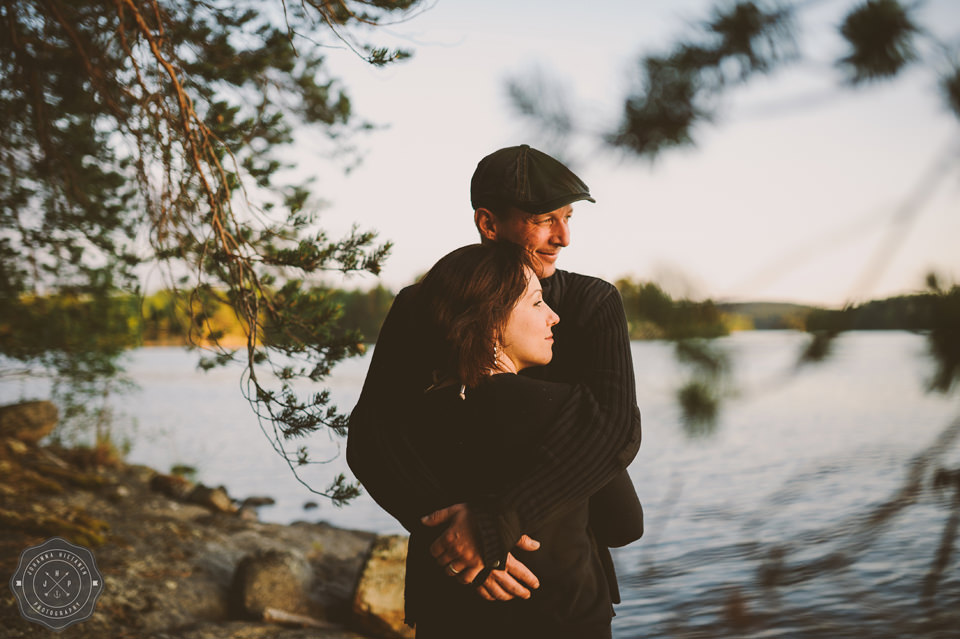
<point>497,533</point>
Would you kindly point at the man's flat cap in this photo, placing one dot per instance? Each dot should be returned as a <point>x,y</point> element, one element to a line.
<point>526,178</point>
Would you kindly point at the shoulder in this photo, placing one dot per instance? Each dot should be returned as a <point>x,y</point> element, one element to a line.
<point>402,310</point>
<point>581,288</point>
<point>522,395</point>
<point>578,298</point>
<point>405,296</point>
<point>394,350</point>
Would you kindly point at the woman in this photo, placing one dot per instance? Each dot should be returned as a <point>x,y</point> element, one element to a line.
<point>483,320</point>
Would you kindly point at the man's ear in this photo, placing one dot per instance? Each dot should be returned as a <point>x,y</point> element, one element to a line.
<point>486,223</point>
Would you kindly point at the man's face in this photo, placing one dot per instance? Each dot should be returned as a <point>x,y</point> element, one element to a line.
<point>544,234</point>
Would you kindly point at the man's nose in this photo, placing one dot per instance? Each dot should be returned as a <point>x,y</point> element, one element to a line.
<point>561,233</point>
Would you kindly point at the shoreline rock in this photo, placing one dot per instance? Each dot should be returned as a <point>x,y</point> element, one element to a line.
<point>183,560</point>
<point>378,597</point>
<point>28,421</point>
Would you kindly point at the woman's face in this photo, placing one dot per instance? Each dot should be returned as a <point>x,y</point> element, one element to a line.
<point>528,334</point>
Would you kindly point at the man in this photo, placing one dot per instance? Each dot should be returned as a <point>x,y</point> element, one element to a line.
<point>523,196</point>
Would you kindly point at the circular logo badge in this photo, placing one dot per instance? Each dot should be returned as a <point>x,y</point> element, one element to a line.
<point>56,584</point>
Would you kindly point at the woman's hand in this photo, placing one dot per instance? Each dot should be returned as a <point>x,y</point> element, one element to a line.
<point>457,550</point>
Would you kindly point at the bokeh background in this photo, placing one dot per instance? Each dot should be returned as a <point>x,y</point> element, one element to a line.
<point>777,198</point>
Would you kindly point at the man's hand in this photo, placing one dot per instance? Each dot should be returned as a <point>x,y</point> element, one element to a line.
<point>457,550</point>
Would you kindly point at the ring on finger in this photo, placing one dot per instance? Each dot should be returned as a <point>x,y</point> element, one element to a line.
<point>453,571</point>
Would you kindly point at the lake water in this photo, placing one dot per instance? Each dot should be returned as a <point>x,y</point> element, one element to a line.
<point>808,512</point>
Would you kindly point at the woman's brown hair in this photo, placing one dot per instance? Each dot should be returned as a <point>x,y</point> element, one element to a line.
<point>465,300</point>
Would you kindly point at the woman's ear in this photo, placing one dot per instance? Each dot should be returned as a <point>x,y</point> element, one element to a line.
<point>486,223</point>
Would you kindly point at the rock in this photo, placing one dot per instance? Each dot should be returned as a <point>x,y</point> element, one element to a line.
<point>170,567</point>
<point>248,507</point>
<point>338,558</point>
<point>254,630</point>
<point>310,505</point>
<point>16,446</point>
<point>378,602</point>
<point>28,421</point>
<point>256,502</point>
<point>248,513</point>
<point>275,579</point>
<point>88,532</point>
<point>216,499</point>
<point>172,486</point>
<point>192,597</point>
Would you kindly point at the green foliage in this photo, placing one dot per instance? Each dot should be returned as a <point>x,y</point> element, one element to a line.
<point>936,313</point>
<point>675,92</point>
<point>819,347</point>
<point>136,132</point>
<point>904,312</point>
<point>365,310</point>
<point>65,330</point>
<point>700,407</point>
<point>768,315</point>
<point>950,85</point>
<point>353,316</point>
<point>652,314</point>
<point>944,339</point>
<point>78,340</point>
<point>700,397</point>
<point>185,471</point>
<point>164,318</point>
<point>663,111</point>
<point>880,34</point>
<point>748,34</point>
<point>342,491</point>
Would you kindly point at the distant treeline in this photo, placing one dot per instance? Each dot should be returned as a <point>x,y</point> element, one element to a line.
<point>919,312</point>
<point>80,323</point>
<point>653,314</point>
<point>162,318</point>
<point>766,315</point>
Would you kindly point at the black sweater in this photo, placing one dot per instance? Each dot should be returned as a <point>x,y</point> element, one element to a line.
<point>501,419</point>
<point>593,438</point>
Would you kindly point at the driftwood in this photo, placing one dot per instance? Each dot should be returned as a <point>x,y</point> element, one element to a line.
<point>285,618</point>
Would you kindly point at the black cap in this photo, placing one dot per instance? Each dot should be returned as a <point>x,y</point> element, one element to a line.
<point>526,178</point>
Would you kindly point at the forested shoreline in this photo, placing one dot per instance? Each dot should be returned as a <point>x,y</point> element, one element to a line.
<point>163,318</point>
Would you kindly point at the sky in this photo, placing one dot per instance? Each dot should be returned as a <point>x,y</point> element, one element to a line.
<point>800,191</point>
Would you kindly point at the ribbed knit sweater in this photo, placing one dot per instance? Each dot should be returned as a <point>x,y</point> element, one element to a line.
<point>591,442</point>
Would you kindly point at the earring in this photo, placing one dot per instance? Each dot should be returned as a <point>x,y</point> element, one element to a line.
<point>496,351</point>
